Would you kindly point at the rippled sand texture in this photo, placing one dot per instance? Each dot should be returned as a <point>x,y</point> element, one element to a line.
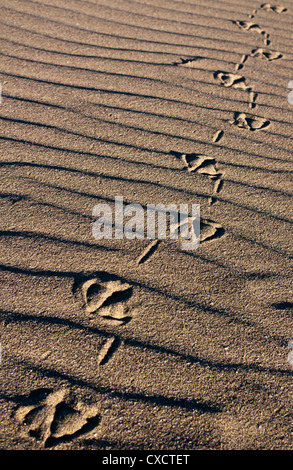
<point>138,344</point>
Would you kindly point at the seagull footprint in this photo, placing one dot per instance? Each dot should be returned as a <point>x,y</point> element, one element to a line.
<point>252,123</point>
<point>231,80</point>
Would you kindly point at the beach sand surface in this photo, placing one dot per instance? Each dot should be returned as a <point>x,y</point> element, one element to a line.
<point>159,102</point>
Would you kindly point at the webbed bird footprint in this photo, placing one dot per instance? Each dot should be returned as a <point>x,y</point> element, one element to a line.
<point>274,8</point>
<point>54,417</point>
<point>231,80</point>
<point>249,26</point>
<point>200,163</point>
<point>107,296</point>
<point>266,54</point>
<point>204,165</point>
<point>252,123</point>
<point>210,230</point>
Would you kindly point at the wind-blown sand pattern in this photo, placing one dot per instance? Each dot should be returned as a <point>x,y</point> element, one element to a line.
<point>138,344</point>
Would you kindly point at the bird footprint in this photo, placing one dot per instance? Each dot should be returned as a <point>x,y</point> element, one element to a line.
<point>252,123</point>
<point>274,8</point>
<point>265,54</point>
<point>105,295</point>
<point>249,26</point>
<point>210,230</point>
<point>231,80</point>
<point>200,164</point>
<point>54,417</point>
<point>204,165</point>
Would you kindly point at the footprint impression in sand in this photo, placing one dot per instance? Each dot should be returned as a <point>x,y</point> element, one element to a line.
<point>106,297</point>
<point>234,80</point>
<point>210,230</point>
<point>204,165</point>
<point>250,26</point>
<point>266,54</point>
<point>249,122</point>
<point>228,79</point>
<point>53,417</point>
<point>273,8</point>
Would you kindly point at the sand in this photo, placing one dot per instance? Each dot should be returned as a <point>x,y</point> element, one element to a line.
<point>118,344</point>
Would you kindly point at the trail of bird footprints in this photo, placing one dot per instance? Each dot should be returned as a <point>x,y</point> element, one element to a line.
<point>250,26</point>
<point>203,164</point>
<point>265,54</point>
<point>269,7</point>
<point>53,417</point>
<point>207,165</point>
